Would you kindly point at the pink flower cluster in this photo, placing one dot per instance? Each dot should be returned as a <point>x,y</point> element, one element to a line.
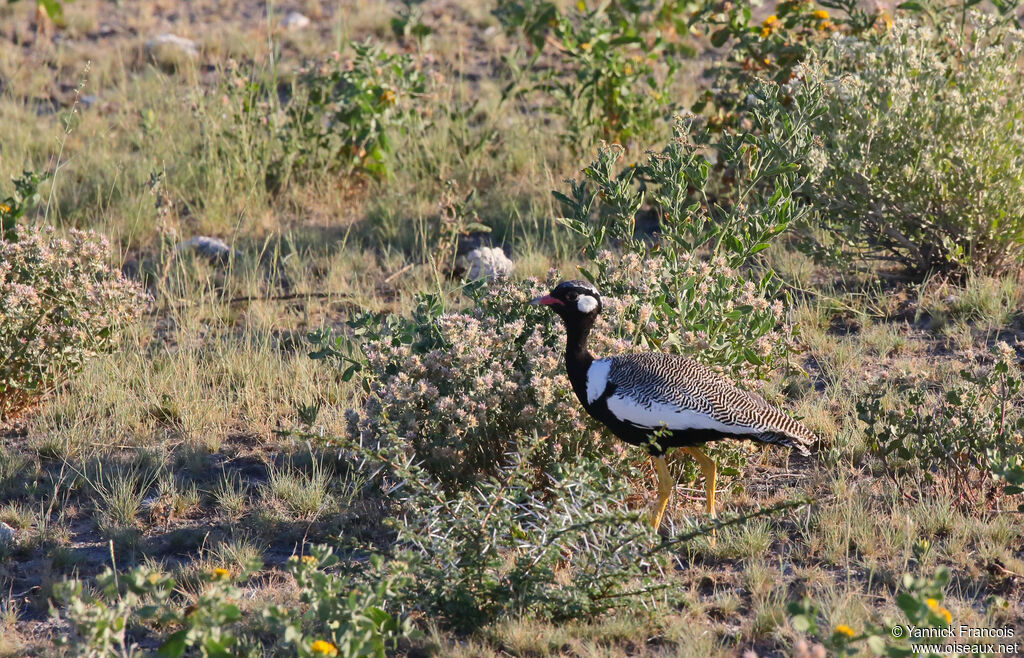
<point>708,309</point>
<point>60,304</point>
<point>490,377</point>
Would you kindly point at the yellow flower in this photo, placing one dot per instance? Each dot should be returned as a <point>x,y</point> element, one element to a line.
<point>308,559</point>
<point>769,25</point>
<point>581,6</point>
<point>821,15</point>
<point>627,69</point>
<point>585,45</point>
<point>324,648</point>
<point>220,573</point>
<point>938,610</point>
<point>153,578</point>
<point>843,629</point>
<point>825,25</point>
<point>887,19</point>
<point>4,208</point>
<point>387,97</point>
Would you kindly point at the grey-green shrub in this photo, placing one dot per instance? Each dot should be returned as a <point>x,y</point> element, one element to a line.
<point>922,146</point>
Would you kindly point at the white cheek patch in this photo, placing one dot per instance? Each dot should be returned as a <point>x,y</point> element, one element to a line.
<point>586,304</point>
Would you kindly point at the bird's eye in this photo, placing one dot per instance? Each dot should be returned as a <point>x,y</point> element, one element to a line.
<point>572,296</point>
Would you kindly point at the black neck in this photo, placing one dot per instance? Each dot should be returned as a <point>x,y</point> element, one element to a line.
<point>577,357</point>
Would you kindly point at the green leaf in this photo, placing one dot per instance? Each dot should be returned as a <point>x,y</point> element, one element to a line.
<point>174,646</point>
<point>719,38</point>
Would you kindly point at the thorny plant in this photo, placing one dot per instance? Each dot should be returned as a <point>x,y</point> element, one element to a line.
<point>560,544</point>
<point>953,440</point>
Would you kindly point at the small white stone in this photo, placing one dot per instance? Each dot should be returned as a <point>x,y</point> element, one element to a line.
<point>212,248</point>
<point>295,21</point>
<point>172,43</point>
<point>490,262</point>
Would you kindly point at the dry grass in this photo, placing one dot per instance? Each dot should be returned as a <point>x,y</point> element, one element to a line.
<point>169,447</point>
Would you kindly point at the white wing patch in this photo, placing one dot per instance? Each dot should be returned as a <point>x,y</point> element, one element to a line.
<point>656,415</point>
<point>597,379</point>
<point>586,303</point>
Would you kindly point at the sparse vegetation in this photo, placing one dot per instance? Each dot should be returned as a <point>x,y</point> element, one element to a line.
<point>179,476</point>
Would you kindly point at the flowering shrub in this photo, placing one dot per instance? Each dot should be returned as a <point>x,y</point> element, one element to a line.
<point>13,207</point>
<point>921,604</point>
<point>340,617</point>
<point>60,304</point>
<point>953,440</point>
<point>461,390</point>
<point>923,136</point>
<point>772,48</point>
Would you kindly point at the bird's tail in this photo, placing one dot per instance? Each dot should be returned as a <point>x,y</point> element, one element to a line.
<point>801,442</point>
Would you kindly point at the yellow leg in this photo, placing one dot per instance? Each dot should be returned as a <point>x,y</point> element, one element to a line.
<point>710,472</point>
<point>665,486</point>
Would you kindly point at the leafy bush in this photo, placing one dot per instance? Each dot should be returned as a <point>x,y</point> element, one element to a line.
<point>921,604</point>
<point>923,144</point>
<point>60,304</point>
<point>13,207</point>
<point>340,617</point>
<point>955,439</point>
<point>336,616</point>
<point>339,116</point>
<point>772,48</point>
<point>614,63</point>
<point>701,277</point>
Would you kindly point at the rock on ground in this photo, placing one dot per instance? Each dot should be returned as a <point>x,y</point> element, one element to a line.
<point>490,262</point>
<point>170,49</point>
<point>211,248</point>
<point>7,534</point>
<point>295,21</point>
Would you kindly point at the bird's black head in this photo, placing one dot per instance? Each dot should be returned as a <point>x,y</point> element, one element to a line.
<point>574,301</point>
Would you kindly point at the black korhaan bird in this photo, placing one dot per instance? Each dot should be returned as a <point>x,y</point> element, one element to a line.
<point>663,401</point>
